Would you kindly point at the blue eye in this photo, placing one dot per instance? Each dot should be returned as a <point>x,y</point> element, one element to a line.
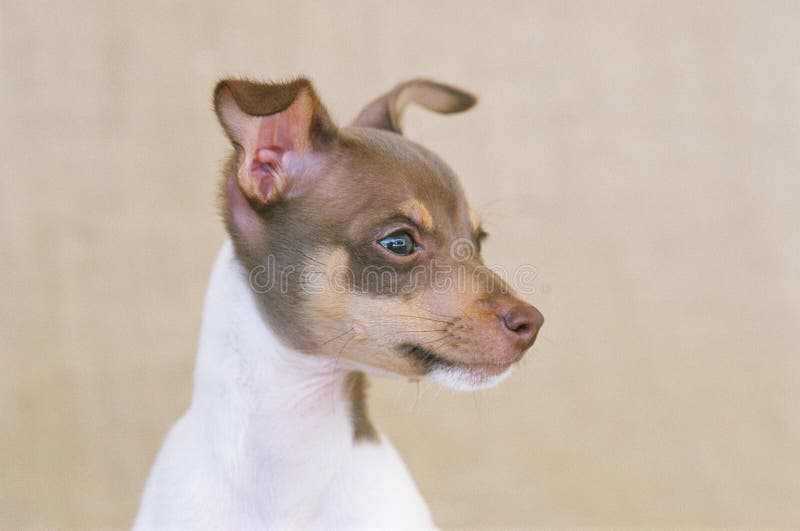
<point>400,243</point>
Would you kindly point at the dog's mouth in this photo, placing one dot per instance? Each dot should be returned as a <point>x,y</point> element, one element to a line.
<point>431,360</point>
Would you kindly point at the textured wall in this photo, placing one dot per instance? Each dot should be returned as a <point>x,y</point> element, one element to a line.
<point>643,156</point>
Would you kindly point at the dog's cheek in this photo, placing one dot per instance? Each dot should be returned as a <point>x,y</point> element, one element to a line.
<point>324,291</point>
<point>353,325</point>
<point>382,327</point>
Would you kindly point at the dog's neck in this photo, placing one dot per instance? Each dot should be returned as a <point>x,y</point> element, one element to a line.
<point>270,413</point>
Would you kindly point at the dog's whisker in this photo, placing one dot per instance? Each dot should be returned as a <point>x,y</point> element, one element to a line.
<point>552,342</point>
<point>468,316</point>
<point>337,337</point>
<point>341,350</point>
<point>436,340</point>
<point>416,398</point>
<point>337,358</point>
<point>310,258</point>
<point>434,313</point>
<point>421,331</point>
<point>420,317</point>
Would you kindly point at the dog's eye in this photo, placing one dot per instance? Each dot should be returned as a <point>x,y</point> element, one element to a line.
<point>399,243</point>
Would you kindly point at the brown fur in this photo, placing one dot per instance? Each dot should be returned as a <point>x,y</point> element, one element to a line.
<point>386,112</point>
<point>356,385</point>
<point>352,187</point>
<point>417,212</point>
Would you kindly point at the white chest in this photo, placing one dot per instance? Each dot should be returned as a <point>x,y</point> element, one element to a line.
<point>267,442</point>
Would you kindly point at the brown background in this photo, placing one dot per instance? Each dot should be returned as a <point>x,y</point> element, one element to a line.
<point>643,156</point>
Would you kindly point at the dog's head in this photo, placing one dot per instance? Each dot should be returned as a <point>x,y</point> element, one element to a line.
<point>360,243</point>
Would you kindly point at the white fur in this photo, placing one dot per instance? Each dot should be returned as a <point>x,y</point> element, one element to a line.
<point>267,442</point>
<point>462,379</point>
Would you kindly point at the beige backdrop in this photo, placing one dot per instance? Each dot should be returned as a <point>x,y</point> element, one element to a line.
<point>643,156</point>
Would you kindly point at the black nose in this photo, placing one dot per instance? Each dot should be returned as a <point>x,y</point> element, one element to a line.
<point>524,321</point>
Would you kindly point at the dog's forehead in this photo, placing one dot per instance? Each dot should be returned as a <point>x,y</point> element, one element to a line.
<point>392,172</point>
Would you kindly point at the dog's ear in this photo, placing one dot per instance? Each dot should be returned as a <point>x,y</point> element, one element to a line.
<point>269,124</point>
<point>386,112</point>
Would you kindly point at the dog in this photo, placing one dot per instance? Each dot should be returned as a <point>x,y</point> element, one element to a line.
<point>346,251</point>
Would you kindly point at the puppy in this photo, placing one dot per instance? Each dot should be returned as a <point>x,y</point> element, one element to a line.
<point>352,250</point>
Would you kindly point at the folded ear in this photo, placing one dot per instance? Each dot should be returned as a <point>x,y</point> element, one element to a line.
<point>268,123</point>
<point>386,112</point>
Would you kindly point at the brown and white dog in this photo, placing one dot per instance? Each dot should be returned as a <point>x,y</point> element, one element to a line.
<point>347,254</point>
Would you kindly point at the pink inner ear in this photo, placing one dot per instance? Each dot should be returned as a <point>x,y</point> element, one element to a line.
<point>277,134</point>
<point>262,169</point>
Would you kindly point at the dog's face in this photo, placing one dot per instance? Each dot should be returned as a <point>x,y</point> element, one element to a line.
<point>360,243</point>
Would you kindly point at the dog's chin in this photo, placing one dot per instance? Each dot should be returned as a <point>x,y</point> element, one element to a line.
<point>462,376</point>
<point>467,378</point>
